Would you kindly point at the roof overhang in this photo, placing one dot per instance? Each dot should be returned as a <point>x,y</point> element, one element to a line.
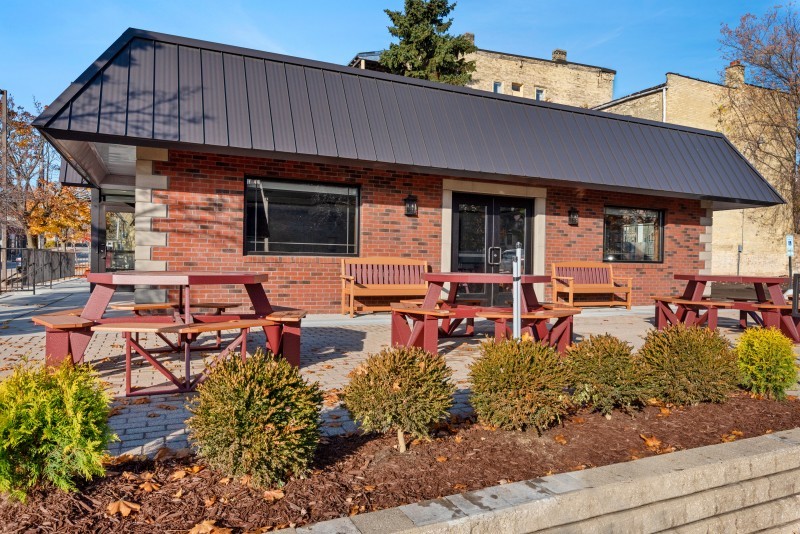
<point>163,91</point>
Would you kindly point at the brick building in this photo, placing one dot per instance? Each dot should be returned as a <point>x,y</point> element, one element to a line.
<point>238,160</point>
<point>743,240</point>
<point>551,80</point>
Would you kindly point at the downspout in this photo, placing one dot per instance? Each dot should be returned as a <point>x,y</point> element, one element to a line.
<point>664,104</point>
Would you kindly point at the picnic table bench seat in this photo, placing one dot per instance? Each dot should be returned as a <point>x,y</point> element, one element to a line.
<point>380,277</point>
<point>186,333</point>
<point>535,323</point>
<point>690,312</point>
<point>66,334</point>
<point>590,278</point>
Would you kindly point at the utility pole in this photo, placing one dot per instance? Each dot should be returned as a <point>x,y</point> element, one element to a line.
<point>4,222</point>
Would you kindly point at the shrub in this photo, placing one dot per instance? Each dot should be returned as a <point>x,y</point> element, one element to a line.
<point>257,417</point>
<point>53,427</point>
<point>519,384</point>
<point>605,374</point>
<point>405,389</point>
<point>688,365</point>
<point>766,362</point>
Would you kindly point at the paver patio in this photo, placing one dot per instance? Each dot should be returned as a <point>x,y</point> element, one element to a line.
<point>332,346</point>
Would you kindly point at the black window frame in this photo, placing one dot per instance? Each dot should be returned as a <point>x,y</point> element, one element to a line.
<point>343,185</point>
<point>662,226</point>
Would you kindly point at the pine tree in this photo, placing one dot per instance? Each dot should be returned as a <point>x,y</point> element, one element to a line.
<point>426,50</point>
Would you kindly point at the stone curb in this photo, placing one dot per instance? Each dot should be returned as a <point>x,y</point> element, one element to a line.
<point>747,485</point>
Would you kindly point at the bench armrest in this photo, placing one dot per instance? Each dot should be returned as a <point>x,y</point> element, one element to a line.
<point>618,280</point>
<point>346,277</point>
<point>564,280</point>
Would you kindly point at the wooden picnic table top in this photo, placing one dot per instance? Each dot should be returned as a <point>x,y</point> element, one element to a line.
<point>483,278</point>
<point>734,279</point>
<point>176,278</point>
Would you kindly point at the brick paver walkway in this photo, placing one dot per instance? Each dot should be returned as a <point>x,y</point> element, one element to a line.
<point>332,346</point>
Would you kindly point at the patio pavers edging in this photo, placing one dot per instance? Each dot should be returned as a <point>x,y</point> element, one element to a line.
<point>743,486</point>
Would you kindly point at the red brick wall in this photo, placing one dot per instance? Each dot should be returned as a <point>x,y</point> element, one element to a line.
<point>585,241</point>
<point>206,215</point>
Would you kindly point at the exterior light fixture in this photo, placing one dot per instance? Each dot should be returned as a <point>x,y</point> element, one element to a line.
<point>411,206</point>
<point>572,217</point>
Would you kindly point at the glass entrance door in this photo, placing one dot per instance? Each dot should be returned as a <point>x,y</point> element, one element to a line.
<point>486,230</point>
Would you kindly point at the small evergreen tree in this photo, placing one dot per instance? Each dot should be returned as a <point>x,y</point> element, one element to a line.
<point>426,50</point>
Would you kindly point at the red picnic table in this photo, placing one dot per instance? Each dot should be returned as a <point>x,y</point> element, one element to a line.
<point>281,338</point>
<point>425,330</point>
<point>769,302</point>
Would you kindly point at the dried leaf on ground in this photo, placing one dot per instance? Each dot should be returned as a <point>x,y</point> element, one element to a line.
<point>163,453</point>
<point>560,439</point>
<point>273,495</point>
<point>168,407</point>
<point>142,400</point>
<point>459,487</point>
<point>178,474</point>
<point>207,527</point>
<point>193,470</point>
<point>664,412</point>
<point>651,442</point>
<point>441,459</point>
<point>578,420</point>
<point>124,508</point>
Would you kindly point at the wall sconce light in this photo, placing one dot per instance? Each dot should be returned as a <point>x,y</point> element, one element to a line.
<point>411,206</point>
<point>572,217</point>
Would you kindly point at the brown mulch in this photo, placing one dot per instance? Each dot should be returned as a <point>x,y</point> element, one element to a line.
<point>358,473</point>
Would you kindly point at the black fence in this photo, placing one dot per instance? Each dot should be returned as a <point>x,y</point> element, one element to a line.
<point>25,269</point>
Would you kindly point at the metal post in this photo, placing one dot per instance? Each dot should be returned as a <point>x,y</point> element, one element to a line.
<point>516,276</point>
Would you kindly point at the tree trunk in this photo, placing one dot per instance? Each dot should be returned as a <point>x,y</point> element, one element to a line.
<point>401,440</point>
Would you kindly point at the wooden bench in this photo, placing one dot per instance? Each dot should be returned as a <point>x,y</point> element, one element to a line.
<point>535,324</point>
<point>64,332</point>
<point>689,312</point>
<point>380,277</point>
<point>590,278</point>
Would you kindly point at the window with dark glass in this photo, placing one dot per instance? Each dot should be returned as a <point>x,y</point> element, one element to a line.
<point>300,218</point>
<point>633,234</point>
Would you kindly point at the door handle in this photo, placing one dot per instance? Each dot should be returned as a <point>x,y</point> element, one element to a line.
<point>493,256</point>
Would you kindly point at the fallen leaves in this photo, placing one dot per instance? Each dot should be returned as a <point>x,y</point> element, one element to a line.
<point>441,459</point>
<point>148,483</point>
<point>178,474</point>
<point>331,397</point>
<point>168,407</point>
<point>122,507</point>
<point>208,526</point>
<point>664,412</point>
<point>273,495</point>
<point>732,436</point>
<point>560,439</point>
<point>651,442</point>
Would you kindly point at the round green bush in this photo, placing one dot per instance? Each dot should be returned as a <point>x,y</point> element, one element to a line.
<point>53,427</point>
<point>766,362</point>
<point>519,385</point>
<point>605,374</point>
<point>256,417</point>
<point>688,365</point>
<point>404,389</point>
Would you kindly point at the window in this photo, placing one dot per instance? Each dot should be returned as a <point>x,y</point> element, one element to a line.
<point>516,89</point>
<point>633,235</point>
<point>539,94</point>
<point>300,218</point>
<point>497,87</point>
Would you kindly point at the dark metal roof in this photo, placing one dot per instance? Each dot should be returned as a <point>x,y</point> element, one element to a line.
<point>151,89</point>
<point>67,175</point>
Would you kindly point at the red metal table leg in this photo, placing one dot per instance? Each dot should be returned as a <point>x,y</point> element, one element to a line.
<point>430,333</point>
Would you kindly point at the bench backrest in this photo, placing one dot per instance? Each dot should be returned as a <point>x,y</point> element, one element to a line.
<point>382,270</point>
<point>585,272</point>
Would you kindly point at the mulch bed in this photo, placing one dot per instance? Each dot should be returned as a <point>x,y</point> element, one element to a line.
<point>361,473</point>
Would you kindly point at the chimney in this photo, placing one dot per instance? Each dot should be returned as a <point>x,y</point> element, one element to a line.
<point>559,55</point>
<point>470,37</point>
<point>734,74</point>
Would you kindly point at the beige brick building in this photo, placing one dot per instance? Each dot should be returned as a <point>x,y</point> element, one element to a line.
<point>745,241</point>
<point>553,80</point>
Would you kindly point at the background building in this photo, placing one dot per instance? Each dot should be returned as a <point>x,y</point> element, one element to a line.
<point>742,240</point>
<point>552,80</point>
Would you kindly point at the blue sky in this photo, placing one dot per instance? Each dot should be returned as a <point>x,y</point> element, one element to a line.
<point>46,44</point>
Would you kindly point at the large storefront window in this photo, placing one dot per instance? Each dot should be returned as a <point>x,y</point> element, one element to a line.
<point>300,218</point>
<point>633,235</point>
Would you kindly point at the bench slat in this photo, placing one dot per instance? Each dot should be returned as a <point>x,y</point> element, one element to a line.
<point>62,322</point>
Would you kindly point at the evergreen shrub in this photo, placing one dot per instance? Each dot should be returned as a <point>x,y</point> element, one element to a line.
<point>519,384</point>
<point>53,427</point>
<point>256,417</point>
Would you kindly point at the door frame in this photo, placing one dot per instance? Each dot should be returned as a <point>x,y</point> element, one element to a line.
<point>538,222</point>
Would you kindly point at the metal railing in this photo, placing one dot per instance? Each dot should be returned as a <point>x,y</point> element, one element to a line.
<point>25,269</point>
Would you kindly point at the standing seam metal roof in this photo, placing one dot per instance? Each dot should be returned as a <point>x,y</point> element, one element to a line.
<point>162,89</point>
